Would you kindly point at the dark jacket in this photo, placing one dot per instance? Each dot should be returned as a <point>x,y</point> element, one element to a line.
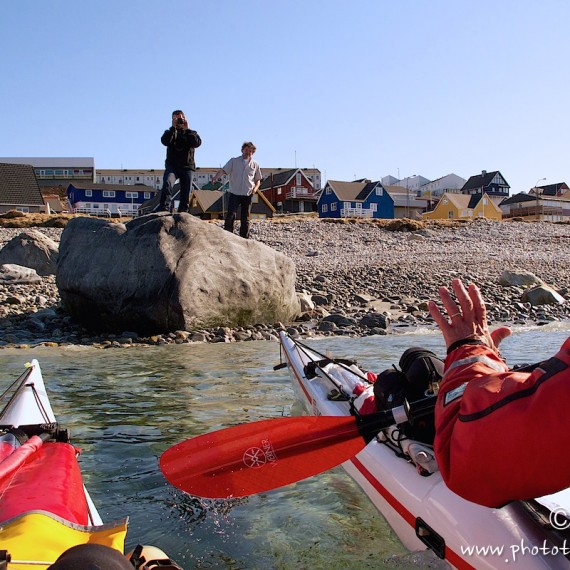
<point>180,145</point>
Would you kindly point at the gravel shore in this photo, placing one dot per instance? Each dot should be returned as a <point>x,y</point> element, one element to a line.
<point>363,278</point>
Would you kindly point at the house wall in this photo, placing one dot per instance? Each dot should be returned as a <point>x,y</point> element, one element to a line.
<point>98,202</point>
<point>329,205</point>
<point>443,212</point>
<point>487,209</point>
<point>152,178</point>
<point>297,195</point>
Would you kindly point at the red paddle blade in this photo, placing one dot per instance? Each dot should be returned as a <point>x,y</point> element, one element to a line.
<point>259,456</point>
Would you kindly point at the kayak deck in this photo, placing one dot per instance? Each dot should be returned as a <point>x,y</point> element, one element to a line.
<point>45,508</point>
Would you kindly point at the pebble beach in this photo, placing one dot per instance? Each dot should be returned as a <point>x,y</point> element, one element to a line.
<point>362,277</point>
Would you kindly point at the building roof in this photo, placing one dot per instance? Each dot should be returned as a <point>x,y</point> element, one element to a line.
<point>553,189</point>
<point>52,162</point>
<point>481,180</point>
<point>347,191</point>
<point>18,185</point>
<point>520,197</point>
<point>117,187</point>
<point>460,201</point>
<point>130,171</point>
<point>207,198</point>
<point>278,179</point>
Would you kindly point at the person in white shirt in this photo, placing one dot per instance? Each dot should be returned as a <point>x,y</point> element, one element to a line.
<point>245,178</point>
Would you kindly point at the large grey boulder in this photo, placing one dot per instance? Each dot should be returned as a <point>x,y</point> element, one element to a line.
<point>170,272</point>
<point>31,249</point>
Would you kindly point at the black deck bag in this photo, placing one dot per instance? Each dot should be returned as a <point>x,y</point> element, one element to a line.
<point>420,370</point>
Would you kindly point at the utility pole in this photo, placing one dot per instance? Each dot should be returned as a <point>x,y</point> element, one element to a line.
<point>536,193</point>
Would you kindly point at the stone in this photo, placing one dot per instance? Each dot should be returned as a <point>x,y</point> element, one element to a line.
<point>305,302</point>
<point>340,320</point>
<point>31,249</point>
<point>374,320</point>
<point>11,273</point>
<point>542,295</point>
<point>518,279</point>
<point>170,272</point>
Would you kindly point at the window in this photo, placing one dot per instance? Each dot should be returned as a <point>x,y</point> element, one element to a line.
<point>379,190</point>
<point>334,206</point>
<point>358,205</point>
<point>346,205</point>
<point>279,191</point>
<point>89,193</point>
<point>108,193</point>
<point>298,179</point>
<point>326,208</point>
<point>131,194</point>
<point>147,195</point>
<point>450,214</point>
<point>329,191</point>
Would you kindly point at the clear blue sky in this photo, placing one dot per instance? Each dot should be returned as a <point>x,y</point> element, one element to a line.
<point>360,88</point>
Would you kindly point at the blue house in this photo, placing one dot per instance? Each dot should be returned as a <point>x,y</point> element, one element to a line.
<point>107,199</point>
<point>360,199</point>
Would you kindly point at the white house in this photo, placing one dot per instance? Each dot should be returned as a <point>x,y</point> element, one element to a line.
<point>449,183</point>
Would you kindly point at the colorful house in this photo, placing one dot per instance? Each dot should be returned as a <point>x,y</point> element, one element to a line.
<point>107,199</point>
<point>453,206</point>
<point>491,183</point>
<point>213,205</point>
<point>289,191</point>
<point>545,206</point>
<point>361,199</point>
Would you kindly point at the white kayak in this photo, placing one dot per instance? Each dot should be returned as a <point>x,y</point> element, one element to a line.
<point>421,509</point>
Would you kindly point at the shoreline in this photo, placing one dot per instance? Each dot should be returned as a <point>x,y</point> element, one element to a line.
<point>363,277</point>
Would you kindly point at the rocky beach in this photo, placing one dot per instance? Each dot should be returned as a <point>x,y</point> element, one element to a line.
<point>357,278</point>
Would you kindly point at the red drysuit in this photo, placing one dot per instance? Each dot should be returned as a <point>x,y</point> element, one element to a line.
<point>503,435</point>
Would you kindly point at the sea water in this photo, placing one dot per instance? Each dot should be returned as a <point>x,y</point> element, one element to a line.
<point>124,407</point>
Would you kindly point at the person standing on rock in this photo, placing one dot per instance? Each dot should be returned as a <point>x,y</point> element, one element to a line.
<point>245,178</point>
<point>180,142</point>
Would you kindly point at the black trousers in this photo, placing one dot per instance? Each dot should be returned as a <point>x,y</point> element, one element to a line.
<point>235,202</point>
<point>171,174</point>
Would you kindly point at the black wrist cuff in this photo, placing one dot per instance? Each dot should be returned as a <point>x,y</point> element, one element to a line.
<point>458,343</point>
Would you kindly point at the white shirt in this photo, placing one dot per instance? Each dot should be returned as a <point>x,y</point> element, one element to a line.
<point>243,175</point>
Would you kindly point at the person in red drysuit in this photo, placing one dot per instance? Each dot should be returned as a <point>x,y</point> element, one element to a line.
<point>501,435</point>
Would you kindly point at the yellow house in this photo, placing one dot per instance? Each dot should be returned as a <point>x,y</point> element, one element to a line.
<point>464,207</point>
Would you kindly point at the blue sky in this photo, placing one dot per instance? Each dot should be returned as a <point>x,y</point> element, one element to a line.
<point>357,89</point>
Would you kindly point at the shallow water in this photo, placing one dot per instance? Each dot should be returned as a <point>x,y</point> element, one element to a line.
<point>126,406</point>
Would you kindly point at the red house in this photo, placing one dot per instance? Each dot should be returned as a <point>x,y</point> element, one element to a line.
<point>290,191</point>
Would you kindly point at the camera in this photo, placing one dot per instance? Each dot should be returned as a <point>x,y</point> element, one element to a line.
<point>180,121</point>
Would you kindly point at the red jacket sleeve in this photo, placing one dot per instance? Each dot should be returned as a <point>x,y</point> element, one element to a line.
<point>502,435</point>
